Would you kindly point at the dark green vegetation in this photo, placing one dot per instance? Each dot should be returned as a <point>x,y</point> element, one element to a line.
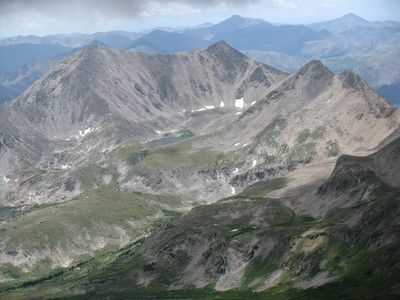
<point>350,253</point>
<point>101,215</point>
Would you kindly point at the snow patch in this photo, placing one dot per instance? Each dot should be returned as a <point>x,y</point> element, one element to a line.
<point>206,107</point>
<point>64,167</point>
<point>84,132</point>
<point>254,163</point>
<point>31,195</point>
<point>196,110</point>
<point>6,179</point>
<point>239,103</point>
<point>238,113</point>
<point>244,145</point>
<point>235,171</point>
<point>329,100</point>
<point>234,230</point>
<point>222,104</point>
<point>252,103</point>
<point>237,144</point>
<point>233,190</point>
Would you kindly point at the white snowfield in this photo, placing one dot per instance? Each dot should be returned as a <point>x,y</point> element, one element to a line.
<point>233,190</point>
<point>6,179</point>
<point>239,103</point>
<point>206,107</point>
<point>84,132</point>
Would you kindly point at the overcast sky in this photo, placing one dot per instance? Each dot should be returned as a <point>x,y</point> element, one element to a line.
<point>44,17</point>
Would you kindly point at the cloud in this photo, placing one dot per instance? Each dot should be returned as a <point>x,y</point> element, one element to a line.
<point>121,8</point>
<point>62,7</point>
<point>42,17</point>
<point>223,2</point>
<point>168,8</point>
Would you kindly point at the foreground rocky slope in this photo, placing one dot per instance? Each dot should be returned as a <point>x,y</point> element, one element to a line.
<point>110,143</point>
<point>261,246</point>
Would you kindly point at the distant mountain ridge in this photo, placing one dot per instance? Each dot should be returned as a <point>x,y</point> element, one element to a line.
<point>350,42</point>
<point>231,24</point>
<point>117,39</point>
<point>167,42</point>
<point>347,22</point>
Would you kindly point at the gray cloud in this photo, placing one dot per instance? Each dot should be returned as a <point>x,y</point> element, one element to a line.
<point>118,7</point>
<point>122,8</point>
<point>224,2</point>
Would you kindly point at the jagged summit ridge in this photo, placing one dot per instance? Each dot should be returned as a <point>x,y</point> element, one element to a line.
<point>350,116</point>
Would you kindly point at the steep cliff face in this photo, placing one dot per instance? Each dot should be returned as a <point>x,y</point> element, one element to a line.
<point>355,179</point>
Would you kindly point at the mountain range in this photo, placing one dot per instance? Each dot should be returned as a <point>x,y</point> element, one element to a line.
<point>197,174</point>
<point>370,49</point>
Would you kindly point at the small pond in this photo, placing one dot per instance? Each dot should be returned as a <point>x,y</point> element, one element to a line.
<point>167,140</point>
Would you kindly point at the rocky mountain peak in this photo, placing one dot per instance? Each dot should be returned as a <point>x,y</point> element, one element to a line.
<point>346,22</point>
<point>237,22</point>
<point>354,18</point>
<point>354,83</point>
<point>223,51</point>
<point>96,50</point>
<point>349,79</point>
<point>308,82</point>
<point>222,46</point>
<point>315,68</point>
